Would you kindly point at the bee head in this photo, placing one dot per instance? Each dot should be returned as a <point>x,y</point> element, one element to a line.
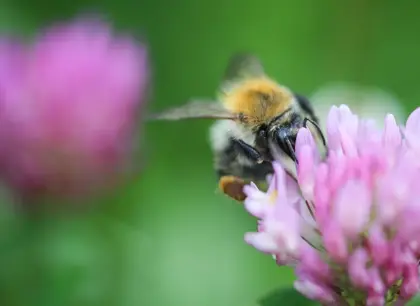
<point>285,138</point>
<point>283,133</point>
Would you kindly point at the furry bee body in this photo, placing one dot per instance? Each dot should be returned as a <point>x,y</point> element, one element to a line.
<point>230,158</point>
<point>255,113</point>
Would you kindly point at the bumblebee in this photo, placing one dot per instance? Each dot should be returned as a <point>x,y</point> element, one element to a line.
<point>257,121</point>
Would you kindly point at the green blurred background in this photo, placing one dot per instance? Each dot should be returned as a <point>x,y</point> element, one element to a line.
<point>168,237</point>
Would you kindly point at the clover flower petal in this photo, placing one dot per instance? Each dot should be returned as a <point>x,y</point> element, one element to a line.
<point>360,241</point>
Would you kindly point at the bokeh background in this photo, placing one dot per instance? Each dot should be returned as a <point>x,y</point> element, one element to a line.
<point>167,237</point>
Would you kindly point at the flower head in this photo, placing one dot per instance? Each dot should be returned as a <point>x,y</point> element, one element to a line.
<point>68,108</point>
<point>351,233</point>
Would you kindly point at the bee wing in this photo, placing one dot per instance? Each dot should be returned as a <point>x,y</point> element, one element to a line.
<point>241,66</point>
<point>195,109</point>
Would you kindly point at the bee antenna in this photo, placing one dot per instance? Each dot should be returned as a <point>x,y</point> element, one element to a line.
<point>315,129</point>
<point>318,129</point>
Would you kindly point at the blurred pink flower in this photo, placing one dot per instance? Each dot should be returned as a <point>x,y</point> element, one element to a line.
<point>352,234</point>
<point>68,108</point>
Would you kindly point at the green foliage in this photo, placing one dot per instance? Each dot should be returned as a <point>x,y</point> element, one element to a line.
<point>414,302</point>
<point>282,296</point>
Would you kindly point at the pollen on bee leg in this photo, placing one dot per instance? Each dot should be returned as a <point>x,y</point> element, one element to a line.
<point>232,186</point>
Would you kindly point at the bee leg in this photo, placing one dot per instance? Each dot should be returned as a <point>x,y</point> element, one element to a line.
<point>248,151</point>
<point>291,150</point>
<point>233,186</point>
<point>233,175</point>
